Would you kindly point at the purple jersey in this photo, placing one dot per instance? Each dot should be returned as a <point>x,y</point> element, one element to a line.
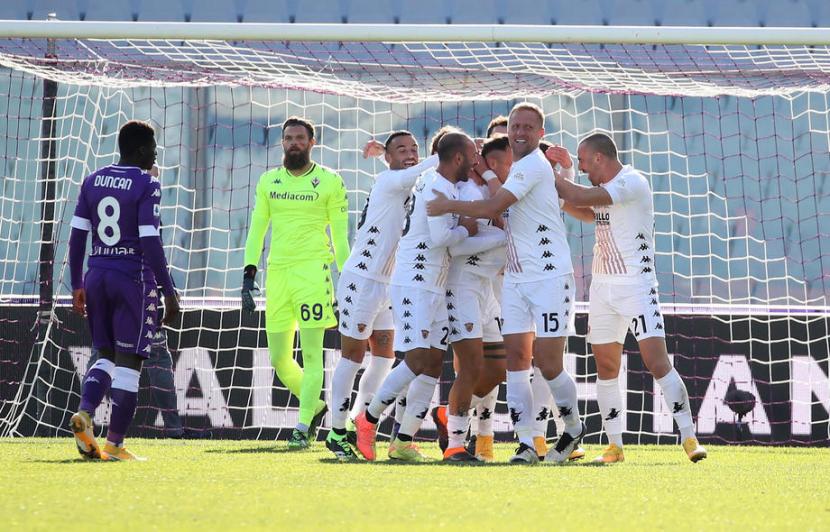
<point>119,204</point>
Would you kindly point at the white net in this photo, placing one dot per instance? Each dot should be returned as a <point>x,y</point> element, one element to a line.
<point>732,139</point>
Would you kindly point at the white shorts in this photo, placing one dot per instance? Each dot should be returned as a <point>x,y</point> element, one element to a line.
<point>473,311</point>
<point>545,307</point>
<point>364,306</point>
<point>613,309</point>
<point>420,318</point>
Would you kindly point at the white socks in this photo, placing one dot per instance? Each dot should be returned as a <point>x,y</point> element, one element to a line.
<point>376,371</point>
<point>394,384</point>
<point>457,430</point>
<point>563,389</point>
<point>677,399</point>
<point>611,410</point>
<point>486,409</point>
<point>520,404</point>
<point>542,402</point>
<point>418,399</point>
<point>341,391</point>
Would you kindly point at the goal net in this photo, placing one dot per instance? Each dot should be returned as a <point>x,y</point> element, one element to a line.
<point>733,139</point>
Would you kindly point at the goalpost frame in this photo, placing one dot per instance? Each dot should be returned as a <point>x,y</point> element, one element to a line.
<point>326,32</point>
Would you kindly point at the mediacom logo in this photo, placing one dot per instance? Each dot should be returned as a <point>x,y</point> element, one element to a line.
<point>301,195</point>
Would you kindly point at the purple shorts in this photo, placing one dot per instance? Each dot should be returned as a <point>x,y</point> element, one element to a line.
<point>122,311</point>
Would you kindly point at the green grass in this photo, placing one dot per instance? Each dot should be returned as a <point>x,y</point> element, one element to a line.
<point>213,485</point>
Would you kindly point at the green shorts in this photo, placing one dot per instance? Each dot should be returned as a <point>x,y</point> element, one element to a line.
<point>299,293</point>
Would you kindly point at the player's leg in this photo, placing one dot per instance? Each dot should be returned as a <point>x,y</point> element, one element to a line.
<point>381,359</point>
<point>552,307</point>
<point>280,329</point>
<point>486,393</point>
<point>98,378</point>
<point>134,326</point>
<point>469,354</point>
<point>606,333</point>
<point>124,394</point>
<point>433,331</point>
<point>656,359</point>
<point>542,404</point>
<point>518,331</point>
<point>159,370</point>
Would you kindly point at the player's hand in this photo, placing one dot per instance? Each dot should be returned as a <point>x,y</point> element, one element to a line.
<point>470,224</point>
<point>373,148</point>
<point>154,171</point>
<point>171,308</point>
<point>560,156</point>
<point>79,301</point>
<point>250,290</point>
<point>438,206</point>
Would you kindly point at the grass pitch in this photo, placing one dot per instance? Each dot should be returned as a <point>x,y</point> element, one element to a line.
<point>213,485</point>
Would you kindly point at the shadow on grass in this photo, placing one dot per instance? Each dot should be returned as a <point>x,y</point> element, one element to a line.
<point>252,450</point>
<point>71,461</point>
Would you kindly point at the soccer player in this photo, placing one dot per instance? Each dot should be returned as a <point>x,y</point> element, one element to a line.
<point>538,290</point>
<point>119,204</point>
<point>623,294</point>
<point>473,318</point>
<point>300,200</point>
<point>363,287</point>
<point>418,301</point>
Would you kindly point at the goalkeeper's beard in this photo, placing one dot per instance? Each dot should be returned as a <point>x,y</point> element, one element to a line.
<point>296,160</point>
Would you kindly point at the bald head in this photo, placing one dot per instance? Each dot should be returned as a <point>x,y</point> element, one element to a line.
<point>602,144</point>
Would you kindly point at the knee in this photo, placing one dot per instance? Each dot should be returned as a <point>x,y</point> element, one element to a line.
<point>607,367</point>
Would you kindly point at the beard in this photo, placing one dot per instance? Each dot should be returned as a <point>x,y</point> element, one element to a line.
<point>295,160</point>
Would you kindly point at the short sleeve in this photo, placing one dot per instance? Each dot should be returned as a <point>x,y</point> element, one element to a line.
<point>149,209</point>
<point>521,181</point>
<point>626,188</point>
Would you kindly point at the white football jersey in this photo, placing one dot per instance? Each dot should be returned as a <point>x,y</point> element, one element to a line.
<point>537,245</point>
<point>482,255</point>
<point>624,244</point>
<point>422,257</point>
<point>381,222</point>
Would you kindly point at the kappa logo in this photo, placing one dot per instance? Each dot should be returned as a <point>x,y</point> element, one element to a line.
<point>452,319</point>
<point>473,260</point>
<point>542,228</point>
<point>652,292</point>
<point>547,254</point>
<point>407,327</point>
<point>549,267</point>
<point>352,287</point>
<point>646,259</point>
<point>515,415</point>
<point>402,402</point>
<point>374,230</point>
<point>418,277</point>
<point>646,270</point>
<point>345,325</point>
<point>156,194</point>
<point>564,411</point>
<point>640,236</point>
<point>348,299</point>
<point>544,242</point>
<point>678,407</point>
<point>344,406</point>
<point>469,327</point>
<point>544,413</point>
<point>659,326</point>
<point>371,242</point>
<point>643,247</point>
<point>406,301</point>
<point>613,414</point>
<point>449,293</point>
<point>419,266</point>
<point>315,182</point>
<point>422,245</point>
<point>656,313</point>
<point>422,414</point>
<point>345,312</point>
<point>653,301</point>
<point>407,340</point>
<point>366,254</point>
<point>278,181</point>
<point>485,414</point>
<point>361,327</point>
<point>362,266</point>
<point>454,332</point>
<point>407,314</point>
<point>420,258</point>
<point>389,401</point>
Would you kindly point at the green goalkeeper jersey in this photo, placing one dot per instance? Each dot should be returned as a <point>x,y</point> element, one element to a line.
<point>299,208</point>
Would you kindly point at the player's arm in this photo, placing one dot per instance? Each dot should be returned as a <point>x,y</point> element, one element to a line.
<point>149,219</point>
<point>584,214</point>
<point>338,215</point>
<point>405,178</point>
<point>260,218</point>
<point>487,238</point>
<point>81,226</point>
<point>582,196</point>
<point>488,208</point>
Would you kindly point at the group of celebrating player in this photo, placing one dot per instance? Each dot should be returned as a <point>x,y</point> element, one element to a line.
<point>466,248</point>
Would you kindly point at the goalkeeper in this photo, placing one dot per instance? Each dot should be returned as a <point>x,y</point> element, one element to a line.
<point>299,200</point>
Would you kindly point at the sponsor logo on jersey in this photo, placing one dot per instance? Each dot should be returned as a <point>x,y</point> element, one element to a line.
<point>300,195</point>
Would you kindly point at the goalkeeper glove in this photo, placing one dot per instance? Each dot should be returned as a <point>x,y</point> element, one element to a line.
<point>249,289</point>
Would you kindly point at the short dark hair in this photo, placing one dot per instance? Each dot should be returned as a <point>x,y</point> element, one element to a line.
<point>601,143</point>
<point>497,143</point>
<point>452,143</point>
<point>298,121</point>
<point>433,144</point>
<point>499,121</point>
<point>394,135</point>
<point>133,135</point>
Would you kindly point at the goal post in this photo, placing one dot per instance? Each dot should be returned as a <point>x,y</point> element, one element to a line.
<point>730,125</point>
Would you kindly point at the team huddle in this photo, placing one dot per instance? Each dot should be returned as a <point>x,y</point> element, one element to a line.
<point>466,248</point>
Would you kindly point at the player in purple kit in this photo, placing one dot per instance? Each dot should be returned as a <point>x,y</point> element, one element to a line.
<point>119,204</point>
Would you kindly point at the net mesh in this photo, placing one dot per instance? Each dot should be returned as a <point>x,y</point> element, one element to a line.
<point>732,139</point>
